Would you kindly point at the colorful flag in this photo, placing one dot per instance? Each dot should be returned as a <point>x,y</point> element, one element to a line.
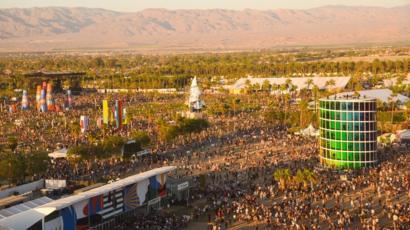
<point>131,200</point>
<point>105,112</point>
<point>124,116</point>
<point>95,204</point>
<point>113,204</point>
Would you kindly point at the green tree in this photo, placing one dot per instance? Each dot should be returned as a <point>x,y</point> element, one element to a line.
<point>266,86</point>
<point>37,163</point>
<point>330,83</point>
<point>141,138</point>
<point>12,143</point>
<point>282,176</point>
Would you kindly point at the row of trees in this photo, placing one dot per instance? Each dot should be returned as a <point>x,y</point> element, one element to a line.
<point>16,166</point>
<point>175,71</point>
<point>108,147</point>
<point>183,126</point>
<point>303,177</point>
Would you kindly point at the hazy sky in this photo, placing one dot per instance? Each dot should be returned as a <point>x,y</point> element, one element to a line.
<point>135,5</point>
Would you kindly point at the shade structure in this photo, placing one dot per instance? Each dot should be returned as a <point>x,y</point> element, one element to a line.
<point>383,95</point>
<point>309,131</point>
<point>61,153</point>
<point>298,82</point>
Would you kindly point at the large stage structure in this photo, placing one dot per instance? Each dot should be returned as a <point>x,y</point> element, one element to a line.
<point>56,78</point>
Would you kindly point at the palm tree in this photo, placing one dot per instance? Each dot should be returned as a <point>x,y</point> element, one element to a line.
<point>288,83</point>
<point>266,86</point>
<point>315,92</point>
<point>305,177</point>
<point>308,83</point>
<point>310,177</point>
<point>330,83</point>
<point>282,176</point>
<point>299,177</point>
<point>248,85</point>
<point>393,103</point>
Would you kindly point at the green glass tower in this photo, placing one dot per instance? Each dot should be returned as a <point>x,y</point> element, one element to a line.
<point>348,132</point>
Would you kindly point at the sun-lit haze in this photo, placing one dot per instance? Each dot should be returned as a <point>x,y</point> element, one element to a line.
<point>204,114</point>
<point>135,5</point>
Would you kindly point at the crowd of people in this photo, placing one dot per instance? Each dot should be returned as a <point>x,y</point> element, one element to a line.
<point>232,165</point>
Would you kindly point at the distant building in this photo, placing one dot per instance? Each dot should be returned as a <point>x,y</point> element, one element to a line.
<point>299,83</point>
<point>394,81</point>
<point>57,78</point>
<point>383,95</point>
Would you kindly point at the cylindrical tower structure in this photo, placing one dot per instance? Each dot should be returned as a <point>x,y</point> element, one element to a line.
<point>38,97</point>
<point>348,132</point>
<point>49,97</point>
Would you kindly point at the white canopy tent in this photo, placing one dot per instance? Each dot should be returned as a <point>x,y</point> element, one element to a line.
<point>16,209</point>
<point>309,131</point>
<point>404,134</point>
<point>61,153</point>
<point>322,83</point>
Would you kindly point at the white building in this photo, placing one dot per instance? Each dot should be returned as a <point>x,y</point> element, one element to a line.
<point>299,82</point>
<point>393,81</point>
<point>383,95</point>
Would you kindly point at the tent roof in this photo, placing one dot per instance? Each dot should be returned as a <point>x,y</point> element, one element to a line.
<point>24,220</point>
<point>393,81</point>
<point>379,94</point>
<point>405,134</point>
<point>61,153</point>
<point>299,82</point>
<point>23,207</point>
<point>65,202</point>
<point>309,131</point>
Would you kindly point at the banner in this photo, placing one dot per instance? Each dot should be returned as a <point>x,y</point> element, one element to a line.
<point>113,204</point>
<point>69,99</point>
<point>99,122</point>
<point>131,200</point>
<point>43,104</point>
<point>105,112</point>
<point>84,121</point>
<point>118,113</point>
<point>124,116</point>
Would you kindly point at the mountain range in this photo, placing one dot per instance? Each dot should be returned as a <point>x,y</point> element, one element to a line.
<point>61,28</point>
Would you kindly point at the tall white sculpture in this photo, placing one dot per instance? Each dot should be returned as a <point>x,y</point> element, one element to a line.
<point>195,103</point>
